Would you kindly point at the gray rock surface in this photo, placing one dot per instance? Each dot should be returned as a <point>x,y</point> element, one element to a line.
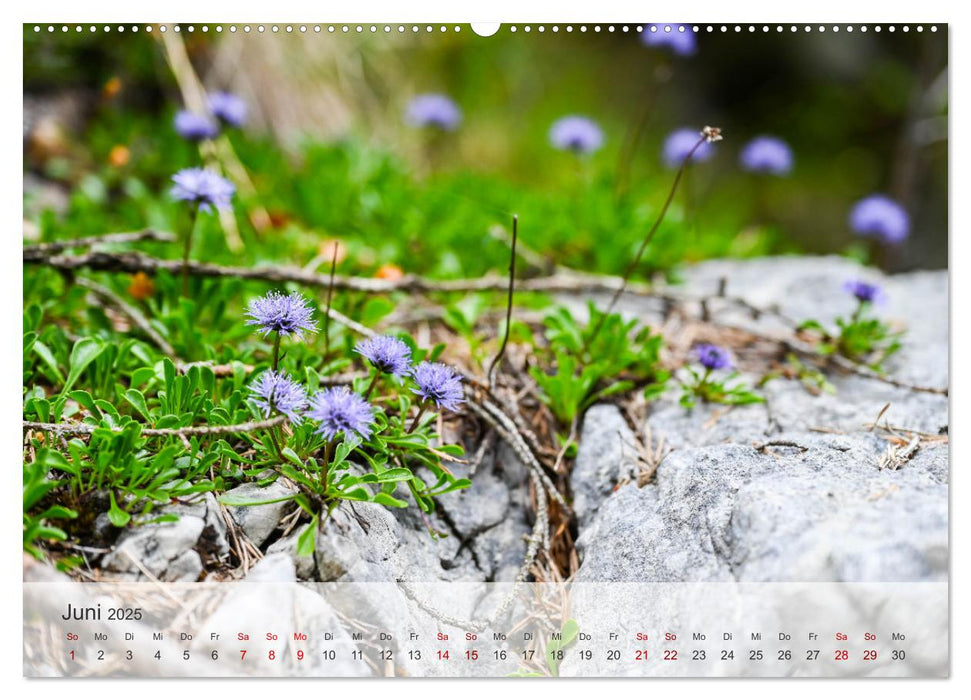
<point>474,535</point>
<point>607,457</point>
<point>172,551</point>
<point>720,509</point>
<point>259,521</point>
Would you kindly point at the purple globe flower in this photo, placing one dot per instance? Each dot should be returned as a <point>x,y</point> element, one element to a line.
<point>228,108</point>
<point>767,154</point>
<point>286,314</point>
<point>386,354</point>
<point>275,391</point>
<point>679,38</point>
<point>439,383</point>
<point>339,411</point>
<point>713,357</point>
<point>576,133</point>
<point>195,127</point>
<point>433,110</point>
<point>678,145</point>
<point>865,292</point>
<point>880,217</point>
<point>203,187</point>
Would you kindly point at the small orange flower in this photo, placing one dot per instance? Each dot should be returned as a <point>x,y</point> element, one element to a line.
<point>141,287</point>
<point>389,272</point>
<point>111,88</point>
<point>119,156</point>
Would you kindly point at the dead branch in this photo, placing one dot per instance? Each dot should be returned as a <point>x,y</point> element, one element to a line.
<point>133,314</point>
<point>85,429</point>
<point>41,251</point>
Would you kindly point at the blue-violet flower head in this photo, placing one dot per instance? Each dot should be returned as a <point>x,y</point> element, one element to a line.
<point>439,383</point>
<point>386,354</point>
<point>433,110</point>
<point>340,411</point>
<point>767,154</point>
<point>203,187</point>
<point>713,357</point>
<point>881,217</point>
<point>576,133</point>
<point>678,145</point>
<point>286,314</point>
<point>275,391</point>
<point>865,292</point>
<point>679,38</point>
<point>228,108</point>
<point>195,127</point>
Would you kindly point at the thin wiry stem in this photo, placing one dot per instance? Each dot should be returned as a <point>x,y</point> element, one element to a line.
<point>512,286</point>
<point>647,240</point>
<point>136,316</point>
<point>330,297</point>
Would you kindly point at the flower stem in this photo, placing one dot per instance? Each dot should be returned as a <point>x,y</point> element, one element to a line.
<point>328,456</point>
<point>647,239</point>
<point>414,423</point>
<point>330,297</point>
<point>188,249</point>
<point>370,387</point>
<point>275,439</point>
<point>276,352</point>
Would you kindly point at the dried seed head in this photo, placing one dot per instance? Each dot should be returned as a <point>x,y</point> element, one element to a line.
<point>712,133</point>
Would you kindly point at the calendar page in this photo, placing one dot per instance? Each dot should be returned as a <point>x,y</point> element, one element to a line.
<point>612,350</point>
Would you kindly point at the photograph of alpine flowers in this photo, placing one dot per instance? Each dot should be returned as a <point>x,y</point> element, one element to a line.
<point>639,302</point>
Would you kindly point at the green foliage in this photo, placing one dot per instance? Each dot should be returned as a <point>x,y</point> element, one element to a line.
<point>702,386</point>
<point>396,463</point>
<point>606,356</point>
<point>37,513</point>
<point>860,338</point>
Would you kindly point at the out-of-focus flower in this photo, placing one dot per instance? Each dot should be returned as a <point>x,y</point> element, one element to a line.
<point>119,156</point>
<point>339,411</point>
<point>767,154</point>
<point>276,391</point>
<point>228,108</point>
<point>141,287</point>
<point>390,272</point>
<point>111,88</point>
<point>386,354</point>
<point>286,314</point>
<point>880,217</point>
<point>328,249</point>
<point>679,38</point>
<point>438,383</point>
<point>678,145</point>
<point>203,187</point>
<point>865,292</point>
<point>576,133</point>
<point>433,110</point>
<point>195,127</point>
<point>713,357</point>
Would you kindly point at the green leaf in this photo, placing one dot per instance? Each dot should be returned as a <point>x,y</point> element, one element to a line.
<point>45,354</point>
<point>307,542</point>
<point>390,501</point>
<point>137,401</point>
<point>117,516</point>
<point>85,351</point>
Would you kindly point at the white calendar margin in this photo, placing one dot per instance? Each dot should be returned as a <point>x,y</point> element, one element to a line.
<point>602,11</point>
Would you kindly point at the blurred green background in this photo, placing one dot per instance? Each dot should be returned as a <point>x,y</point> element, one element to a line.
<point>331,156</point>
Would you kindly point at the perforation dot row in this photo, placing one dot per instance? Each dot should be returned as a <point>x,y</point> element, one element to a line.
<point>414,28</point>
